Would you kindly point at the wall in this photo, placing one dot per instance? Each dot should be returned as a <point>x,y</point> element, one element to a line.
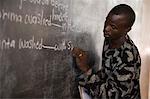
<point>145,50</point>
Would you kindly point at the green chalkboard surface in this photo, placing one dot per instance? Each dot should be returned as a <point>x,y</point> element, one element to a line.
<point>36,37</point>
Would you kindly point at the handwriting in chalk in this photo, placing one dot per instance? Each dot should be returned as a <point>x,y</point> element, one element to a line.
<point>57,15</point>
<point>34,19</point>
<point>7,43</point>
<point>55,3</point>
<point>34,44</point>
<point>30,44</point>
<point>60,47</point>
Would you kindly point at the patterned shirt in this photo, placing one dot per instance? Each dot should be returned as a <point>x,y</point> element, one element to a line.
<point>119,76</point>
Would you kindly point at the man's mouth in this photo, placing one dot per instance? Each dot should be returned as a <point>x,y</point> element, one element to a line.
<point>106,35</point>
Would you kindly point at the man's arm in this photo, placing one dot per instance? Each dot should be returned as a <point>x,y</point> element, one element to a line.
<point>121,82</point>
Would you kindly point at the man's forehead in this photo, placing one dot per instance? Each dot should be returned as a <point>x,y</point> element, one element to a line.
<point>121,15</point>
<point>121,18</point>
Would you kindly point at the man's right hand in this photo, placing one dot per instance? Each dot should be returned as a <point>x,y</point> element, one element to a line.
<point>81,59</point>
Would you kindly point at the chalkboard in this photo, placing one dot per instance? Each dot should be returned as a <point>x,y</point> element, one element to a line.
<point>36,37</point>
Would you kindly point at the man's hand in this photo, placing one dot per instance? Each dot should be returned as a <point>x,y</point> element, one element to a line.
<point>81,59</point>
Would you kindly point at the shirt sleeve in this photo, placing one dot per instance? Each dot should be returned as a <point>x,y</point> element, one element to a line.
<point>121,81</point>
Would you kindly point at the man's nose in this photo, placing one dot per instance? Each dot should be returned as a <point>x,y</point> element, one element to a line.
<point>107,29</point>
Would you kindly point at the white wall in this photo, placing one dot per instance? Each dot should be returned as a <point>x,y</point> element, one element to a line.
<point>145,49</point>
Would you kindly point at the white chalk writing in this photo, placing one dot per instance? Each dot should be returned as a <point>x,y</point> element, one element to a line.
<point>55,3</point>
<point>33,44</point>
<point>69,26</point>
<point>57,16</point>
<point>61,17</point>
<point>7,43</point>
<point>35,19</point>
<point>4,15</point>
<point>60,47</point>
<point>30,44</point>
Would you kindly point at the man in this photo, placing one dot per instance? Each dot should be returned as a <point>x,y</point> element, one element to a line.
<point>119,76</point>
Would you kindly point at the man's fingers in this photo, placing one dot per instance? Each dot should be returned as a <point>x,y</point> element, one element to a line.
<point>81,58</point>
<point>77,52</point>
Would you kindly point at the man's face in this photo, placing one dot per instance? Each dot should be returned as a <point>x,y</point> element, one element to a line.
<point>115,26</point>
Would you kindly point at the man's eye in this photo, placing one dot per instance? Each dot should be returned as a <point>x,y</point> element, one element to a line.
<point>113,27</point>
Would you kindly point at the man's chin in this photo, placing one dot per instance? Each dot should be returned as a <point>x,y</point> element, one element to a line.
<point>107,37</point>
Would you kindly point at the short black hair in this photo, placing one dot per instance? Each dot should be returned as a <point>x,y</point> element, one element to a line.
<point>126,10</point>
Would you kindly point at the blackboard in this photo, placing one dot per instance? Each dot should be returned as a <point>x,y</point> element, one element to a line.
<point>36,37</point>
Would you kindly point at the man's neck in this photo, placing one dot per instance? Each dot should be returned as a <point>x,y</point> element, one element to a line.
<point>117,43</point>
